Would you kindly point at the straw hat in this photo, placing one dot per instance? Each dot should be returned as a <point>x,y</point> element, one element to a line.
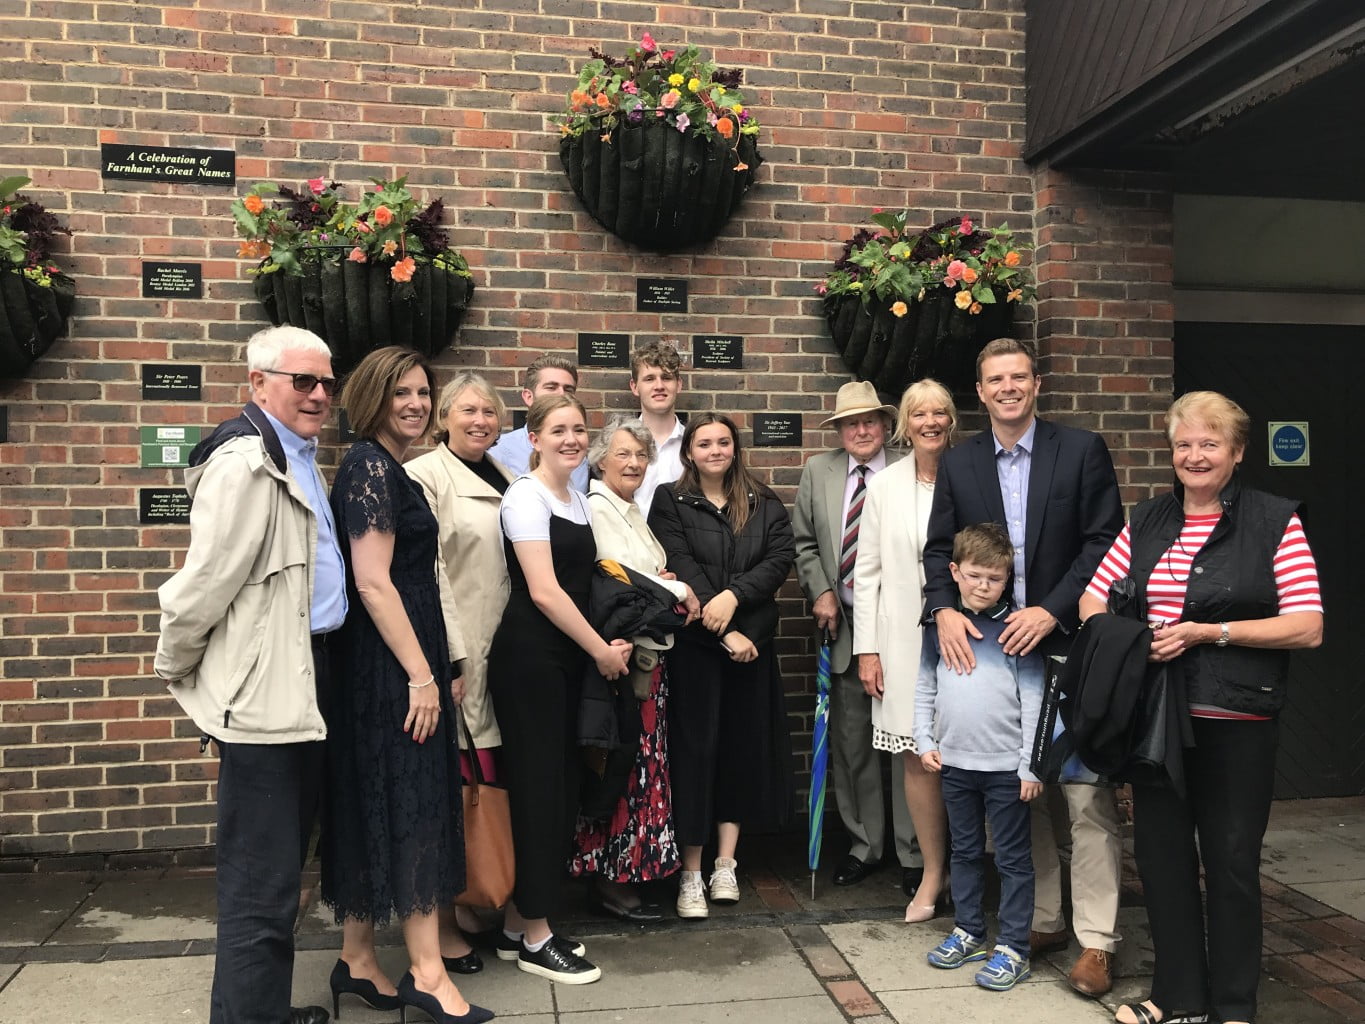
<point>855,398</point>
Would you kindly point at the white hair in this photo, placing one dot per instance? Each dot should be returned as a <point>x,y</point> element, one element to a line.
<point>265,349</point>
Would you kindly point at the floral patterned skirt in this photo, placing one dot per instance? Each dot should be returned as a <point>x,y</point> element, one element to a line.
<point>637,843</point>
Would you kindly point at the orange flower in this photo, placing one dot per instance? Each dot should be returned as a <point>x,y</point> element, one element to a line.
<point>579,98</point>
<point>403,269</point>
<point>968,275</point>
<point>725,127</point>
<point>383,216</point>
<point>899,308</point>
<point>390,247</point>
<point>253,249</point>
<point>253,204</point>
<point>602,100</point>
<point>357,255</point>
<point>1015,295</point>
<point>974,308</point>
<point>963,299</point>
<point>741,166</point>
<point>1011,259</point>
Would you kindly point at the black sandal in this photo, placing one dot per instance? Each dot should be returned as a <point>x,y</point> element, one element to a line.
<point>1145,1016</point>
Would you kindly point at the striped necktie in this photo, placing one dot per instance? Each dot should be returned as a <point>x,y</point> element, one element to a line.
<point>848,552</point>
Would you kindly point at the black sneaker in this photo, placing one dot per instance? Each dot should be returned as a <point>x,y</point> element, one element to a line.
<point>558,965</point>
<point>508,949</point>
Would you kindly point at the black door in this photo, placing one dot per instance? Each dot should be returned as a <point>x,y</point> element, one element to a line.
<point>1279,372</point>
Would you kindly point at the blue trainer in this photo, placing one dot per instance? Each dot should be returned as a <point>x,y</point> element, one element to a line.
<point>1003,970</point>
<point>957,949</point>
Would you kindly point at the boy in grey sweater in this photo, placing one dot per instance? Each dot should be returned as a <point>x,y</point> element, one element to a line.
<point>977,731</point>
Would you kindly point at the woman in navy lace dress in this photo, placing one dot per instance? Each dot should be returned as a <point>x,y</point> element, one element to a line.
<point>393,843</point>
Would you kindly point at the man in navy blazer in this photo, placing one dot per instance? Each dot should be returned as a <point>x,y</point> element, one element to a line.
<point>1053,488</point>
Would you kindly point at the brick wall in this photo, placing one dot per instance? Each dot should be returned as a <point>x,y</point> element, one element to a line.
<point>864,105</point>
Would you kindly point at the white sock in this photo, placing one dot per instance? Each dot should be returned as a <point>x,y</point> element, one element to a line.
<point>514,936</point>
<point>536,947</point>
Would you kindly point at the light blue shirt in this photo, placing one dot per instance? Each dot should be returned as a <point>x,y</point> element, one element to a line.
<point>1012,467</point>
<point>328,609</point>
<point>513,450</point>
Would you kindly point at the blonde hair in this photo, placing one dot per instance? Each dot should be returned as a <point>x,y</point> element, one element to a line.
<point>1217,412</point>
<point>923,394</point>
<point>465,380</point>
<point>540,411</point>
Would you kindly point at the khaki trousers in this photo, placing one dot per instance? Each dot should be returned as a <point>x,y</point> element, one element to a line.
<point>1096,863</point>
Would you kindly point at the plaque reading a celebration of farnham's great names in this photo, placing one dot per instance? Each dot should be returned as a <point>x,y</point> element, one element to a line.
<point>777,430</point>
<point>717,352</point>
<point>179,383</point>
<point>131,162</point>
<point>172,280</point>
<point>604,350</point>
<point>660,295</point>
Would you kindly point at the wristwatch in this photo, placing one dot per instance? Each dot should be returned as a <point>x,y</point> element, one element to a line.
<point>1224,639</point>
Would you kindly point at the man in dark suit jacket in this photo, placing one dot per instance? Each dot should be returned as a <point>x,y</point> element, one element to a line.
<point>1053,488</point>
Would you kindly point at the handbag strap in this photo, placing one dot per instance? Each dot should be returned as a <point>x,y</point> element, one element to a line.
<point>475,768</point>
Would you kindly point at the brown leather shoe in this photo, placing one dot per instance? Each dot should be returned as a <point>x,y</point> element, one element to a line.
<point>1092,975</point>
<point>1047,942</point>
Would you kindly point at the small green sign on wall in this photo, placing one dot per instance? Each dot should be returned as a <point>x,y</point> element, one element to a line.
<point>165,447</point>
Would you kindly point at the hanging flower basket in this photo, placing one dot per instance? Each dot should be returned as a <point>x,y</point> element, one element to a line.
<point>902,307</point>
<point>659,146</point>
<point>380,272</point>
<point>35,297</point>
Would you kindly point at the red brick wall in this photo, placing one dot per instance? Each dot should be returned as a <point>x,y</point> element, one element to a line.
<point>864,105</point>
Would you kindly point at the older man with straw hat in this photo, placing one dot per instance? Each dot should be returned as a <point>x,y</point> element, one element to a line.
<point>826,522</point>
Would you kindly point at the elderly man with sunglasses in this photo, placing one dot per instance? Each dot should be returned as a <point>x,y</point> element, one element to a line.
<point>243,649</point>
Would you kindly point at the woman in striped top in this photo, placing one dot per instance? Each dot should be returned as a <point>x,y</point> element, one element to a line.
<point>1231,587</point>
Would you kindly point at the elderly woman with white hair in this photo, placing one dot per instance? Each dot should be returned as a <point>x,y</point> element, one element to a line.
<point>636,844</point>
<point>888,597</point>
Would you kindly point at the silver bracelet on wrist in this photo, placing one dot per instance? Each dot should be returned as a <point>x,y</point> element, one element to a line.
<point>418,686</point>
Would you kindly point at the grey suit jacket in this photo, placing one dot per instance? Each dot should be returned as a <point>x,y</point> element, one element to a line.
<point>818,525</point>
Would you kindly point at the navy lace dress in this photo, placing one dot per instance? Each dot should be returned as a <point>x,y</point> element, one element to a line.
<point>393,842</point>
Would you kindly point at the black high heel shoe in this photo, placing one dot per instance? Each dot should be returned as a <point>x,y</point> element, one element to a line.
<point>343,984</point>
<point>410,995</point>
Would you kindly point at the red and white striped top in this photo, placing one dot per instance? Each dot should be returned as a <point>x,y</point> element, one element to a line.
<point>1296,578</point>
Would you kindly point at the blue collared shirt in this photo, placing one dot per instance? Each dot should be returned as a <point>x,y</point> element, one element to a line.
<point>513,450</point>
<point>328,609</point>
<point>1012,467</point>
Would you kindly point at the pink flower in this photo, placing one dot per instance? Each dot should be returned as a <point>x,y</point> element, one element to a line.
<point>647,43</point>
<point>821,289</point>
<point>965,228</point>
<point>315,186</point>
<point>358,255</point>
<point>955,271</point>
<point>631,88</point>
<point>362,227</point>
<point>683,122</point>
<point>670,99</point>
<point>668,54</point>
<point>876,209</point>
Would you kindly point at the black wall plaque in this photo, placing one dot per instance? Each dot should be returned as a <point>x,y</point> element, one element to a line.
<point>4,423</point>
<point>163,505</point>
<point>660,295</point>
<point>130,162</point>
<point>717,352</point>
<point>604,350</point>
<point>777,430</point>
<point>183,383</point>
<point>346,434</point>
<point>172,281</point>
<point>519,418</point>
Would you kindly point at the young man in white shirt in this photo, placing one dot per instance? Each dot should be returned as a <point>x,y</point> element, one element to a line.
<point>656,380</point>
<point>547,375</point>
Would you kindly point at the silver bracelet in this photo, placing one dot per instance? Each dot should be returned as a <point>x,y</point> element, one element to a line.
<point>417,686</point>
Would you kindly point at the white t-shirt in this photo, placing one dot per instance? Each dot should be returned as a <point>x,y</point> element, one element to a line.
<point>665,469</point>
<point>528,505</point>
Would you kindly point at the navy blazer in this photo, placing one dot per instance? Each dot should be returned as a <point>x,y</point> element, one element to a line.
<point>1073,515</point>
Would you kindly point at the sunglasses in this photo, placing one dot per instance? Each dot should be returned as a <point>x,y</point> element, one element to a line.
<point>304,383</point>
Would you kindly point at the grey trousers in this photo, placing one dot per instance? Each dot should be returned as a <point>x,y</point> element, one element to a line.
<point>857,771</point>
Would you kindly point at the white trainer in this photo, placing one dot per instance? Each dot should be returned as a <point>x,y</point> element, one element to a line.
<point>692,896</point>
<point>724,884</point>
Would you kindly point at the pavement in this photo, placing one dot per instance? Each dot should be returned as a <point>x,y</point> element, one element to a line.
<point>128,947</point>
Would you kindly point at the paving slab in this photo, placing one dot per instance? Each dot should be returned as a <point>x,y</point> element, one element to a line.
<point>1298,856</point>
<point>1043,1002</point>
<point>126,992</point>
<point>796,1010</point>
<point>132,909</point>
<point>679,968</point>
<point>1348,897</point>
<point>7,971</point>
<point>1133,957</point>
<point>889,956</point>
<point>32,907</point>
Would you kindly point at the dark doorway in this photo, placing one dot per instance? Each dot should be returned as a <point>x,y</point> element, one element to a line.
<point>1280,372</point>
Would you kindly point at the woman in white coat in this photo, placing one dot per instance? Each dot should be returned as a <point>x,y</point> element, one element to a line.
<point>464,487</point>
<point>888,600</point>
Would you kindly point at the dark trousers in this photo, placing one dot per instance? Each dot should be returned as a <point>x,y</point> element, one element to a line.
<point>268,800</point>
<point>972,798</point>
<point>1230,774</point>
